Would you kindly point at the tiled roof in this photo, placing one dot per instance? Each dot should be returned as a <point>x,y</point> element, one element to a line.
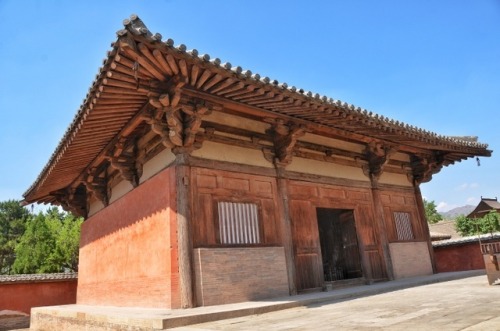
<point>281,99</point>
<point>439,236</point>
<point>465,240</point>
<point>28,278</point>
<point>492,203</point>
<point>444,228</point>
<point>484,206</point>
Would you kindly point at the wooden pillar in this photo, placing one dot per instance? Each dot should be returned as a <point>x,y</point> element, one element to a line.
<point>381,224</point>
<point>425,225</point>
<point>286,227</point>
<point>184,238</point>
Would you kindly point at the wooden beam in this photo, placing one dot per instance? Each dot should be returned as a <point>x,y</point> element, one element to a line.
<point>336,133</point>
<point>124,132</point>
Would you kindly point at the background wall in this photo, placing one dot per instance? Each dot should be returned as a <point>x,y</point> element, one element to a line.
<point>22,292</point>
<point>458,257</point>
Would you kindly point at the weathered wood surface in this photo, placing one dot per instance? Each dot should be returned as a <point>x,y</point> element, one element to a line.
<point>212,186</point>
<point>304,199</point>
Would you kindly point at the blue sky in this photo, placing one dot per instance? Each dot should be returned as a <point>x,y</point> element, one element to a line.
<point>433,64</point>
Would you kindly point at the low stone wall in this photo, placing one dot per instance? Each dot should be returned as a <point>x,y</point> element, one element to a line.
<point>229,275</point>
<point>20,293</point>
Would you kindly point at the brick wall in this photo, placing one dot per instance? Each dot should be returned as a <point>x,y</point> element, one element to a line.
<point>410,259</point>
<point>128,250</point>
<point>228,275</point>
<point>458,257</point>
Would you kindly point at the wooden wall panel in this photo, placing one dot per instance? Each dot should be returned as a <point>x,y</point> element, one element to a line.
<point>203,224</point>
<point>402,201</point>
<point>332,193</point>
<point>271,228</point>
<point>365,225</point>
<point>302,190</point>
<point>210,186</point>
<point>377,266</point>
<point>389,224</point>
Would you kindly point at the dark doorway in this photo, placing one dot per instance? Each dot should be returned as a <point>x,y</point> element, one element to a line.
<point>339,244</point>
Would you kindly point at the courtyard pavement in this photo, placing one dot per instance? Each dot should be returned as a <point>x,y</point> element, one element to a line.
<point>460,304</point>
<point>446,301</point>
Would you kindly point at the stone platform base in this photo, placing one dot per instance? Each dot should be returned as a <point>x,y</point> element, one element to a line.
<point>80,317</point>
<point>99,318</point>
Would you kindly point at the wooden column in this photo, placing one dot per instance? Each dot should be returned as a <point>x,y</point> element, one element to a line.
<point>382,229</point>
<point>378,155</point>
<point>184,237</point>
<point>425,225</point>
<point>286,227</point>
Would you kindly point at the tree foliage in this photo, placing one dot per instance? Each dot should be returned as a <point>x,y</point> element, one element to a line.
<point>431,213</point>
<point>13,219</point>
<point>46,242</point>
<point>50,244</point>
<point>489,223</point>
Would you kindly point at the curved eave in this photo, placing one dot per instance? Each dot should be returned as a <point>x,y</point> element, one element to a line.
<point>138,64</point>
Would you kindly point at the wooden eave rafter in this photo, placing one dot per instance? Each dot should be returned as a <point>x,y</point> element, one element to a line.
<point>140,67</point>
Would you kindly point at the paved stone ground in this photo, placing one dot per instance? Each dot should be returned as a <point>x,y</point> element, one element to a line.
<point>464,304</point>
<point>13,320</point>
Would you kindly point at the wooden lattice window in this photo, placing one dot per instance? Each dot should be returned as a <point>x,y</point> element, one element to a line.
<point>238,223</point>
<point>402,222</point>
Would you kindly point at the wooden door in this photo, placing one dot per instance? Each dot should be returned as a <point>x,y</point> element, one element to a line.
<point>339,244</point>
<point>375,269</point>
<point>350,245</point>
<point>306,244</point>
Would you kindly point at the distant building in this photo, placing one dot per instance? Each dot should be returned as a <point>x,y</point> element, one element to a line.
<point>484,207</point>
<point>455,253</point>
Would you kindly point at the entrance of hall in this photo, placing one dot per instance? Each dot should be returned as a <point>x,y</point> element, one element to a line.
<point>339,244</point>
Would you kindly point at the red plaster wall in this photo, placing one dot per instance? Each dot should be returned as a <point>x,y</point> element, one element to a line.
<point>23,296</point>
<point>458,257</point>
<point>128,250</point>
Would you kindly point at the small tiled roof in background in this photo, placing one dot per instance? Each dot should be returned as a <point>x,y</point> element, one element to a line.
<point>484,207</point>
<point>443,230</point>
<point>466,240</point>
<point>28,278</point>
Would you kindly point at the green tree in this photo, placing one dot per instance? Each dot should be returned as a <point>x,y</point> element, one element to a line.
<point>67,236</point>
<point>50,244</point>
<point>466,226</point>
<point>13,218</point>
<point>431,213</point>
<point>489,223</point>
<point>34,247</point>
